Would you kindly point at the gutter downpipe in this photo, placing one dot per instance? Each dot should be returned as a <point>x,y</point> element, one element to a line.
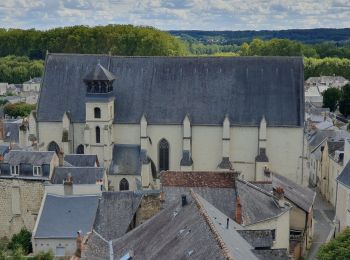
<point>110,244</point>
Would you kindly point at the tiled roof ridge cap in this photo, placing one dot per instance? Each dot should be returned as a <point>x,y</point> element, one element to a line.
<point>212,228</point>
<point>175,57</point>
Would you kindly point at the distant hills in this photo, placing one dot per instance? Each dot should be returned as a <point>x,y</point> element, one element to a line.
<point>309,36</point>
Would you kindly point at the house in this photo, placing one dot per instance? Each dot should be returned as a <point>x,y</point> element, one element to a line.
<point>332,165</point>
<point>189,227</point>
<point>184,113</point>
<point>3,88</point>
<point>59,220</point>
<point>342,209</point>
<point>22,178</point>
<point>326,81</point>
<point>32,85</point>
<point>249,205</point>
<point>301,214</point>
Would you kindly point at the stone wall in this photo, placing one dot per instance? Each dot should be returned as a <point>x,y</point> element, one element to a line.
<point>20,202</point>
<point>150,205</point>
<point>198,179</point>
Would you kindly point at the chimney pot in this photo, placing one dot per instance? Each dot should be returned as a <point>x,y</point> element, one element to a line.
<point>60,158</point>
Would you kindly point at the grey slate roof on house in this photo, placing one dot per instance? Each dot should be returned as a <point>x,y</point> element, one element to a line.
<point>126,160</point>
<point>80,175</point>
<point>257,238</point>
<point>319,136</point>
<point>99,73</point>
<point>11,131</point>
<point>168,88</point>
<point>4,149</point>
<point>35,80</point>
<point>180,233</point>
<point>344,176</point>
<point>63,216</point>
<point>81,160</point>
<point>224,199</point>
<point>301,196</point>
<point>16,157</point>
<point>115,213</point>
<point>257,204</point>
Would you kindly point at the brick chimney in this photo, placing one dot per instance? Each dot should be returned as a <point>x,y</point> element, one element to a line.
<point>278,192</point>
<point>238,213</point>
<point>60,158</point>
<point>68,185</point>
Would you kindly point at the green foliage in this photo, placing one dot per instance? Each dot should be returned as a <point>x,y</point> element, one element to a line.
<point>344,103</point>
<point>336,249</point>
<point>331,97</point>
<point>21,242</point>
<point>19,69</point>
<point>43,256</point>
<point>116,39</point>
<point>19,109</point>
<point>328,66</point>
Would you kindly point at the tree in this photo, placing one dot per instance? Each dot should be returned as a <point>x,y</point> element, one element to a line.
<point>19,109</point>
<point>331,98</point>
<point>336,249</point>
<point>21,242</point>
<point>344,103</point>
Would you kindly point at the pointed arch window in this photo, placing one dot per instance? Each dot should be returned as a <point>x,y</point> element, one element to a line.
<point>80,149</point>
<point>163,151</point>
<point>98,134</point>
<point>53,146</point>
<point>97,112</point>
<point>123,185</point>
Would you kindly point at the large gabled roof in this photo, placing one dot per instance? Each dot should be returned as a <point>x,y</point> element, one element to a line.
<point>344,176</point>
<point>168,88</point>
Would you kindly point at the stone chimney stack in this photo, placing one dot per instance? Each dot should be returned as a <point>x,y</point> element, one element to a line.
<point>238,213</point>
<point>60,158</point>
<point>68,185</point>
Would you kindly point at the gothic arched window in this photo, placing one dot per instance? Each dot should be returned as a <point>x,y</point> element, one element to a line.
<point>97,112</point>
<point>53,146</point>
<point>124,184</point>
<point>98,136</point>
<point>163,151</point>
<point>80,149</point>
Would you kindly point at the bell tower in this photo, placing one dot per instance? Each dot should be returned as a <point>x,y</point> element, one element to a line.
<point>99,111</point>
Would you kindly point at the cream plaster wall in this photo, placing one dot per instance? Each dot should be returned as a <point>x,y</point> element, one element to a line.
<point>343,206</point>
<point>78,189</point>
<point>297,218</point>
<point>47,244</point>
<point>280,224</point>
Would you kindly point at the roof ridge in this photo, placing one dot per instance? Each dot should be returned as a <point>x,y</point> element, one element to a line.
<point>211,225</point>
<point>256,188</point>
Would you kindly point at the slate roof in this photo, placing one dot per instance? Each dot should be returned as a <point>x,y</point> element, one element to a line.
<point>11,131</point>
<point>4,149</point>
<point>35,80</point>
<point>168,88</point>
<point>320,136</point>
<point>115,213</point>
<point>301,196</point>
<point>80,175</point>
<point>63,216</point>
<point>81,160</point>
<point>257,238</point>
<point>344,176</point>
<point>223,199</point>
<point>335,146</point>
<point>182,232</point>
<point>257,204</point>
<point>99,73</point>
<point>16,157</point>
<point>126,160</point>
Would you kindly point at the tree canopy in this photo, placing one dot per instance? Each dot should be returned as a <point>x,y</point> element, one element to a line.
<point>331,97</point>
<point>336,249</point>
<point>19,109</point>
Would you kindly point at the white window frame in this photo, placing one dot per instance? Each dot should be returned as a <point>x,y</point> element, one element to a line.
<point>14,170</point>
<point>37,171</point>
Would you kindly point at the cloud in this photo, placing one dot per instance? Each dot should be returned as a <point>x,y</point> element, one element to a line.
<point>178,14</point>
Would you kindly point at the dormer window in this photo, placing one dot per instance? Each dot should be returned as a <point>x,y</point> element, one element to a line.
<point>15,170</point>
<point>37,171</point>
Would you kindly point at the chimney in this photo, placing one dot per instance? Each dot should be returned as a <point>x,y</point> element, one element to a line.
<point>183,200</point>
<point>278,192</point>
<point>238,213</point>
<point>68,185</point>
<point>60,158</point>
<point>162,196</point>
<point>227,223</point>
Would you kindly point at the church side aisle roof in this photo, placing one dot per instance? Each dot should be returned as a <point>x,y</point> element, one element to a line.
<point>168,88</point>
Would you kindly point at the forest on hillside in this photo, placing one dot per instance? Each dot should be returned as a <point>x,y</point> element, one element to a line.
<point>22,52</point>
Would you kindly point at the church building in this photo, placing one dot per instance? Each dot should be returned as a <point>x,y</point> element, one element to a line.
<point>144,115</point>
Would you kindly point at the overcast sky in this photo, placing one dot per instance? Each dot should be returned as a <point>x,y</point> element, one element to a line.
<point>178,14</point>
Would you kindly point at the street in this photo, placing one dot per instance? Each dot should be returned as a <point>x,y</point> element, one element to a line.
<point>323,224</point>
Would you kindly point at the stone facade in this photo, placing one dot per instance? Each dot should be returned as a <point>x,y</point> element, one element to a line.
<point>20,202</point>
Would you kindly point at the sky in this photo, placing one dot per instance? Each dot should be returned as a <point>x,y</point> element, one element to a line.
<point>178,14</point>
